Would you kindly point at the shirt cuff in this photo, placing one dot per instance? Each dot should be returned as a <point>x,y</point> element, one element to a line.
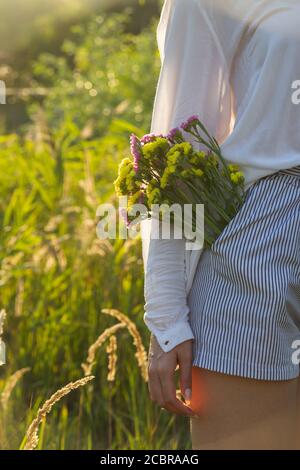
<point>172,336</point>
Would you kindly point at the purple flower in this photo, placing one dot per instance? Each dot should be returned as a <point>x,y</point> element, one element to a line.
<point>173,133</point>
<point>135,151</point>
<point>148,138</point>
<point>189,122</point>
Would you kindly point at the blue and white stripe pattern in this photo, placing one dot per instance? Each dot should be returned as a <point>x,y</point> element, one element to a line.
<point>245,298</point>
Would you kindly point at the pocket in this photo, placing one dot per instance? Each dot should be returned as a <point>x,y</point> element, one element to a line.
<point>234,219</point>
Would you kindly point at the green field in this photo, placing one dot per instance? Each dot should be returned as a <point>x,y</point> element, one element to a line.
<point>56,275</point>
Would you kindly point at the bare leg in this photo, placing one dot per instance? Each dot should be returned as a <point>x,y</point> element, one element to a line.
<point>240,413</point>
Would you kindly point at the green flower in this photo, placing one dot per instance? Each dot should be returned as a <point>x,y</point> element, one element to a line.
<point>174,157</point>
<point>165,178</point>
<point>120,183</point>
<point>154,197</point>
<point>198,172</point>
<point>197,159</point>
<point>125,167</point>
<point>185,173</point>
<point>131,181</point>
<point>233,168</point>
<point>135,197</point>
<point>158,148</point>
<point>213,160</point>
<point>184,148</point>
<point>237,177</point>
<point>192,172</point>
<point>151,186</point>
<point>124,181</point>
<point>201,155</point>
<point>120,186</point>
<point>172,168</point>
<point>177,156</point>
<point>187,148</point>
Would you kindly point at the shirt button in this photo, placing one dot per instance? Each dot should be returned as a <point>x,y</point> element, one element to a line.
<point>166,342</point>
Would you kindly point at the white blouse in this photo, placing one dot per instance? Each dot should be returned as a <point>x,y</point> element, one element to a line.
<point>235,64</point>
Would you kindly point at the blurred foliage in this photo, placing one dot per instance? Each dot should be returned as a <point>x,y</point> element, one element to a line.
<point>30,28</point>
<point>55,273</point>
<point>100,78</point>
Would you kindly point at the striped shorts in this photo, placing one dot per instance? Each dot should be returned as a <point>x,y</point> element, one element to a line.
<point>245,298</point>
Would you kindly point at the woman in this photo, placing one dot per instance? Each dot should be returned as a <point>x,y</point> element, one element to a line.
<point>229,319</point>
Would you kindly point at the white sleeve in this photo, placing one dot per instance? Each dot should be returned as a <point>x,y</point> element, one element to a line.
<point>192,80</point>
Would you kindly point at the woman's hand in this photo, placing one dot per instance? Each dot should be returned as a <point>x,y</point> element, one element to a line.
<point>161,368</point>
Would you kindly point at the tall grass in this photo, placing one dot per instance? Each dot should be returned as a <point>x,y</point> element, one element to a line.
<point>74,302</point>
<point>63,288</point>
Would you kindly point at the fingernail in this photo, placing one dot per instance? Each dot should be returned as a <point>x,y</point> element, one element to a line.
<point>188,395</point>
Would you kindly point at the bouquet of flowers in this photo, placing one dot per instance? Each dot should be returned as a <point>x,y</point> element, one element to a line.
<point>165,170</point>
